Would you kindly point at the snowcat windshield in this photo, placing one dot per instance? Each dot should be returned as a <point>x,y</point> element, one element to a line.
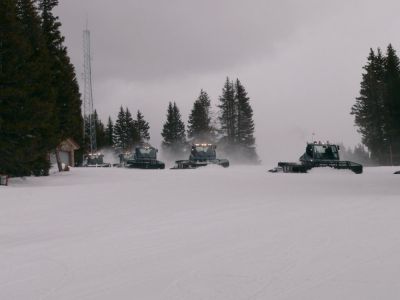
<point>326,152</point>
<point>95,159</point>
<point>146,153</point>
<point>203,152</point>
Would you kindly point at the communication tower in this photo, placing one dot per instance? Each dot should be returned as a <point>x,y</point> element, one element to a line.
<point>88,112</point>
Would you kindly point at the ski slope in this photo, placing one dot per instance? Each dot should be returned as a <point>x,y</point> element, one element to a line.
<point>211,233</point>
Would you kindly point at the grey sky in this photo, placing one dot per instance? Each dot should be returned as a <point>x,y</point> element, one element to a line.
<point>299,60</point>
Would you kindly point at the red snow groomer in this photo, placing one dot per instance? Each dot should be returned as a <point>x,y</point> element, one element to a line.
<point>318,155</point>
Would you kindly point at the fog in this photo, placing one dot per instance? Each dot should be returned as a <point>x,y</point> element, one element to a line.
<point>301,63</point>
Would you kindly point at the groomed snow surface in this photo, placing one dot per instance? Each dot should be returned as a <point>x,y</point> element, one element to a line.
<point>211,233</point>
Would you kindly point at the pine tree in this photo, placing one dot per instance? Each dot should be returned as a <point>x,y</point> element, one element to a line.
<point>100,131</point>
<point>369,108</point>
<point>132,129</point>
<point>14,52</point>
<point>245,124</point>
<point>120,134</point>
<point>180,126</point>
<point>168,128</point>
<point>64,82</point>
<point>109,131</point>
<point>173,133</point>
<point>228,114</point>
<point>199,123</point>
<point>142,127</point>
<point>392,104</point>
<point>125,134</point>
<point>236,123</point>
<point>29,115</point>
<point>38,135</point>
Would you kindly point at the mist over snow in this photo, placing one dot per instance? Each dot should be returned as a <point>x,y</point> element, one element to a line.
<point>301,63</point>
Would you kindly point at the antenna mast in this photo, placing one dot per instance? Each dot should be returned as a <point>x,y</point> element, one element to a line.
<point>88,118</point>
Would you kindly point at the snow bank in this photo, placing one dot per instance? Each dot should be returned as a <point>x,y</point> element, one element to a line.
<point>212,233</point>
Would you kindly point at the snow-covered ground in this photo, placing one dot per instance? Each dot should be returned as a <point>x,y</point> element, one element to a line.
<point>212,233</point>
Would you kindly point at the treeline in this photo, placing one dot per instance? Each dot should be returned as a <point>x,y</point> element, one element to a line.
<point>233,130</point>
<point>124,134</point>
<point>40,103</point>
<point>377,109</point>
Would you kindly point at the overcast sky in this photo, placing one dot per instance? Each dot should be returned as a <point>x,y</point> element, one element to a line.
<point>300,61</point>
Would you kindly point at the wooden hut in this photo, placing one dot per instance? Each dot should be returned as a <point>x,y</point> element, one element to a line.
<point>66,150</point>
